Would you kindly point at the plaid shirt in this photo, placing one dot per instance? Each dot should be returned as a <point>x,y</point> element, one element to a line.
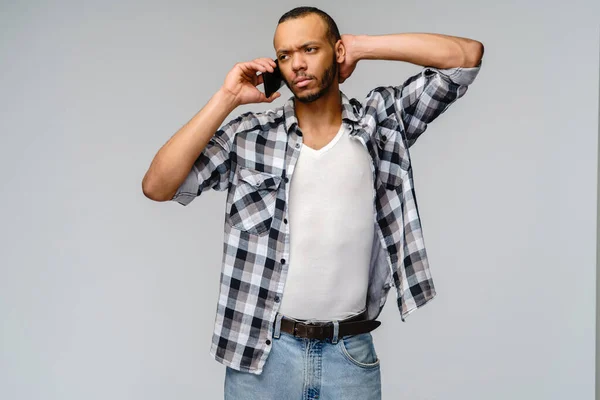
<point>253,158</point>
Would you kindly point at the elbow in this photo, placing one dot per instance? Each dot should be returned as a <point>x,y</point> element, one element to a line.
<point>152,191</point>
<point>467,55</point>
<point>474,55</point>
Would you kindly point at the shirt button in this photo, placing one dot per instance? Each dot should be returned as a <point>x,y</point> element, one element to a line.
<point>268,341</point>
<point>383,138</point>
<point>297,144</point>
<point>286,179</point>
<point>283,260</point>
<point>285,220</point>
<point>276,299</point>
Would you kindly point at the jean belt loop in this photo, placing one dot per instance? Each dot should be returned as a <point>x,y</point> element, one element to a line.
<point>277,329</point>
<point>336,331</point>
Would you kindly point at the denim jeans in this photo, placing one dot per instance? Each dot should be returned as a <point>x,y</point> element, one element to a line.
<point>304,369</point>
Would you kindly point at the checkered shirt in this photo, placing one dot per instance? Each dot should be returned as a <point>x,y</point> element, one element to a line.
<point>253,156</point>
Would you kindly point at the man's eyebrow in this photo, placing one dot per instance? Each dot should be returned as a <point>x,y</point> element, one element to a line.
<point>284,50</point>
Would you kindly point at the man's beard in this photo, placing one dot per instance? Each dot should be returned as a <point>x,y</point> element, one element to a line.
<point>324,84</point>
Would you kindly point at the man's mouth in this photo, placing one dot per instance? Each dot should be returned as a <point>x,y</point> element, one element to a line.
<point>302,82</point>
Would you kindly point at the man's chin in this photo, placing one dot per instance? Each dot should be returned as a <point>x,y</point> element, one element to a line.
<point>311,96</point>
<point>304,98</point>
<point>307,99</point>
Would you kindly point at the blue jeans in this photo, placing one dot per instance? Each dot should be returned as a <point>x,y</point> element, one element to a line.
<point>304,369</point>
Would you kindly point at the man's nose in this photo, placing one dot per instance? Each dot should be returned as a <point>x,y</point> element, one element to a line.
<point>298,63</point>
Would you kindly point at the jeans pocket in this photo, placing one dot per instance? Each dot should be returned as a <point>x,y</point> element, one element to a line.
<point>359,350</point>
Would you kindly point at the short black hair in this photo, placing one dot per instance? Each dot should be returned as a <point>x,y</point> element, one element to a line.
<point>333,34</point>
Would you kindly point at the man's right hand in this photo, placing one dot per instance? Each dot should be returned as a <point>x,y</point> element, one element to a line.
<point>242,80</point>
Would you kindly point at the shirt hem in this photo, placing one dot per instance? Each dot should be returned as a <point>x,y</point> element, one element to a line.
<point>227,363</point>
<point>415,308</point>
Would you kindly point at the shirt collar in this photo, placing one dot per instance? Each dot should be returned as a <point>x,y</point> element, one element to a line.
<point>350,111</point>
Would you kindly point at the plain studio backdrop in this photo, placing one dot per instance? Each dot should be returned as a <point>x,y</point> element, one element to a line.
<point>105,294</point>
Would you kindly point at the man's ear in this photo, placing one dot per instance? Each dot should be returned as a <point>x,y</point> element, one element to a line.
<point>340,52</point>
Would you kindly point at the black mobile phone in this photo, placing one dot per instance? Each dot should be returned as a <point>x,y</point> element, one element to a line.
<point>272,81</point>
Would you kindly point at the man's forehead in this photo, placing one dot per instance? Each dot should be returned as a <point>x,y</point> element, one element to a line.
<point>295,33</point>
<point>298,44</point>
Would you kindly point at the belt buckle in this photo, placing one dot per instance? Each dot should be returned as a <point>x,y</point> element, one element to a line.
<point>309,329</point>
<point>316,329</point>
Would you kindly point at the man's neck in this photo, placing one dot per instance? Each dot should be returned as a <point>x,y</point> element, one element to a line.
<point>322,115</point>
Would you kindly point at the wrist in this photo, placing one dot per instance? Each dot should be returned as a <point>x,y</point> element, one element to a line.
<point>358,49</point>
<point>227,97</point>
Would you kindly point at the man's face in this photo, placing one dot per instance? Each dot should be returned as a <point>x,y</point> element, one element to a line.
<point>303,51</point>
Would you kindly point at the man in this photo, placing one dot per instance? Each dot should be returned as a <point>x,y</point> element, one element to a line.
<point>321,216</point>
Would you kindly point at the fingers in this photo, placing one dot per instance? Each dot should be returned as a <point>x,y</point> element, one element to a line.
<point>273,96</point>
<point>265,99</point>
<point>250,68</point>
<point>257,66</point>
<point>263,64</point>
<point>267,61</point>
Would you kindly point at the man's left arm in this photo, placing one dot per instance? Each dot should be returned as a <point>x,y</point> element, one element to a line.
<point>450,65</point>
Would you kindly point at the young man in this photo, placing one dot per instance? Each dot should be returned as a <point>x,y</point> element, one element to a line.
<point>321,216</point>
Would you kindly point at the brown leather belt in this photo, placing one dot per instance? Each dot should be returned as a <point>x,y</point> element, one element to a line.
<point>323,330</point>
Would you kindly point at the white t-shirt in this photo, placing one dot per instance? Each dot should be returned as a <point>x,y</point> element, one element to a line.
<point>331,222</point>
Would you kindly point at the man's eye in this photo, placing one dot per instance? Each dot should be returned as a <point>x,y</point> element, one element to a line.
<point>311,48</point>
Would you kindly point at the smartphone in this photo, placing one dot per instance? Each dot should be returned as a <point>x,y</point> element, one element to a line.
<point>272,81</point>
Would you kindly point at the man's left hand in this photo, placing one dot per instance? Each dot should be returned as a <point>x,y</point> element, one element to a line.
<point>347,67</point>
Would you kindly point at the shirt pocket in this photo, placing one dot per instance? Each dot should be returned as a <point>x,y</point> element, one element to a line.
<point>253,201</point>
<point>394,159</point>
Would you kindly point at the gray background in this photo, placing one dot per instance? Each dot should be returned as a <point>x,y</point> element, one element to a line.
<point>105,294</point>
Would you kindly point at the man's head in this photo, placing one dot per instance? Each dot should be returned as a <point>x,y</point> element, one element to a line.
<point>307,44</point>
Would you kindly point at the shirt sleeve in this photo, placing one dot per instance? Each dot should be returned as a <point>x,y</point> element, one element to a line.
<point>211,169</point>
<point>426,95</point>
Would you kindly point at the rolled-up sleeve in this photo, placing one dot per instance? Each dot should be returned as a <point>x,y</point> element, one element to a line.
<point>460,75</point>
<point>211,169</point>
<point>425,95</point>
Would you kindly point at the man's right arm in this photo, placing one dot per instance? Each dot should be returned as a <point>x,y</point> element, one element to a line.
<point>197,156</point>
<point>174,161</point>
